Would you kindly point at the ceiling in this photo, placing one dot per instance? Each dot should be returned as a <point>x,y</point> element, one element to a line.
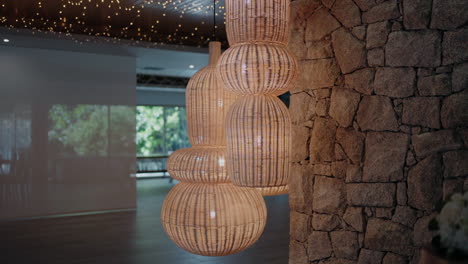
<point>152,22</point>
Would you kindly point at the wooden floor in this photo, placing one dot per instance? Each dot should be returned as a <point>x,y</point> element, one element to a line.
<point>130,237</point>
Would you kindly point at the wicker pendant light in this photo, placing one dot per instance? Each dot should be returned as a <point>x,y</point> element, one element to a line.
<point>206,214</point>
<point>258,67</point>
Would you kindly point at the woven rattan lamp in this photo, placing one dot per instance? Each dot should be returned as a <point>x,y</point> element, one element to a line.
<point>258,67</point>
<point>206,214</point>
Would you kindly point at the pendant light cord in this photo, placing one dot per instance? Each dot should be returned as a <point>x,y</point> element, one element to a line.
<point>214,20</point>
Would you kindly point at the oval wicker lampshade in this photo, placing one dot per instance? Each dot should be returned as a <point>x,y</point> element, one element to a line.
<point>199,164</point>
<point>268,191</point>
<point>213,219</point>
<point>206,214</point>
<point>207,103</point>
<point>259,142</point>
<point>257,20</point>
<point>257,69</point>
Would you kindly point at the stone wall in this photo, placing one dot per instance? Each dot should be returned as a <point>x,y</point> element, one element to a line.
<point>380,120</point>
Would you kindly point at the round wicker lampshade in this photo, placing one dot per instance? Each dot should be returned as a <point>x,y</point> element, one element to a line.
<point>207,103</point>
<point>199,164</point>
<point>257,20</point>
<point>259,142</point>
<point>257,68</point>
<point>268,191</point>
<point>213,219</point>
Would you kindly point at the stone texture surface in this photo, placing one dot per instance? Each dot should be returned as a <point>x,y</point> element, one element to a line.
<point>425,183</point>
<point>384,11</point>
<point>367,256</point>
<point>320,24</point>
<point>454,112</point>
<point>416,48</point>
<point>422,111</point>
<point>376,113</point>
<point>352,143</point>
<point>385,235</point>
<point>345,244</point>
<point>432,142</point>
<point>439,84</point>
<point>349,51</point>
<point>455,163</point>
<point>377,34</point>
<point>449,14</point>
<point>323,140</point>
<point>347,13</point>
<point>416,14</point>
<point>371,194</point>
<point>394,82</point>
<point>300,224</point>
<point>373,175</point>
<point>355,218</point>
<point>319,246</point>
<point>361,81</point>
<point>329,195</point>
<point>454,46</point>
<point>385,156</point>
<point>343,106</point>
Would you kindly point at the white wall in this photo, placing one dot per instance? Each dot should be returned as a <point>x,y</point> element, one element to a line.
<point>67,128</point>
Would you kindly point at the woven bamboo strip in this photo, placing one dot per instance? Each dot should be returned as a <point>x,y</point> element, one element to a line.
<point>269,191</point>
<point>257,20</point>
<point>213,219</point>
<point>257,69</point>
<point>199,164</point>
<point>207,103</point>
<point>259,142</point>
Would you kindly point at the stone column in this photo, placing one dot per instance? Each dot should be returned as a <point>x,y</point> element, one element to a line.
<point>380,126</point>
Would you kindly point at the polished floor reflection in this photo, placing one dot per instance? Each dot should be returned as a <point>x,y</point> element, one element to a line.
<point>130,237</point>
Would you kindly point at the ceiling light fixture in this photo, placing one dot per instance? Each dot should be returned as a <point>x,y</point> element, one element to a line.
<point>205,213</point>
<point>6,40</point>
<point>258,67</point>
<point>191,66</point>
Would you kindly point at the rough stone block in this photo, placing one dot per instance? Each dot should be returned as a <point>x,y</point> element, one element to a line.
<point>425,183</point>
<point>301,107</point>
<point>415,48</point>
<point>432,142</point>
<point>371,194</point>
<point>325,222</point>
<point>318,73</point>
<point>394,82</point>
<point>353,173</point>
<point>300,137</point>
<point>352,142</point>
<point>454,47</point>
<point>345,244</point>
<point>416,14</point>
<point>347,13</point>
<point>319,246</point>
<point>377,34</point>
<point>384,11</point>
<point>421,111</point>
<point>365,5</point>
<point>405,216</point>
<point>391,258</point>
<point>355,218</point>
<point>402,197</point>
<point>361,80</point>
<point>376,113</point>
<point>349,51</point>
<point>320,49</point>
<point>422,236</point>
<point>460,77</point>
<point>329,195</point>
<point>359,32</point>
<point>456,163</point>
<point>385,235</point>
<point>299,226</point>
<point>385,156</point>
<point>449,14</point>
<point>452,186</point>
<point>376,57</point>
<point>454,112</point>
<point>367,256</point>
<point>322,142</point>
<point>319,25</point>
<point>439,84</point>
<point>297,253</point>
<point>343,106</point>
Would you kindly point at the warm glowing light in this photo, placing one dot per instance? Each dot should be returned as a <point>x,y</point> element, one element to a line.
<point>191,66</point>
<point>6,40</point>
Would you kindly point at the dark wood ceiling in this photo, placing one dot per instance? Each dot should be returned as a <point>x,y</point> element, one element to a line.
<point>181,22</point>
